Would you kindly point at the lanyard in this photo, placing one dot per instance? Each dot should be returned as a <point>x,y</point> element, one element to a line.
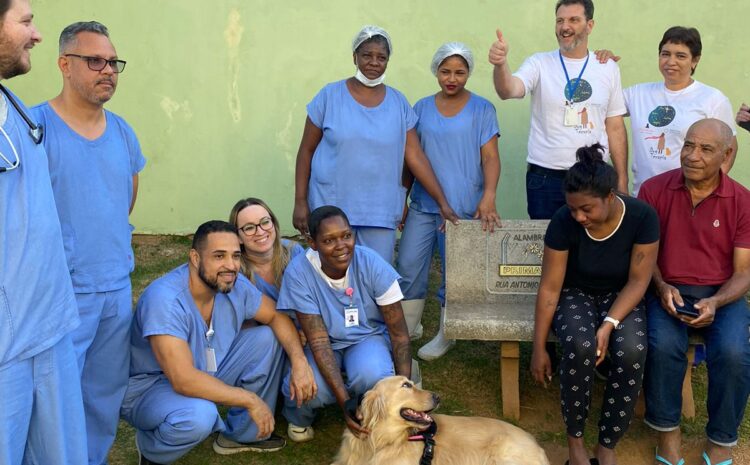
<point>567,78</point>
<point>350,293</point>
<point>210,332</point>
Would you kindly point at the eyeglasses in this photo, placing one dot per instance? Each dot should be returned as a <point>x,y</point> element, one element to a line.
<point>98,63</point>
<point>250,229</point>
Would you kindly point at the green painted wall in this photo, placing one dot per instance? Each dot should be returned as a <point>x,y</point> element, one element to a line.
<point>216,90</point>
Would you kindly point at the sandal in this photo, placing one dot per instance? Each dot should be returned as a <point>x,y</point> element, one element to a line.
<point>661,459</point>
<point>707,461</point>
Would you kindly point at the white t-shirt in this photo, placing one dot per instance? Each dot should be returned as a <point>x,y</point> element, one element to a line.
<point>660,118</point>
<point>552,143</point>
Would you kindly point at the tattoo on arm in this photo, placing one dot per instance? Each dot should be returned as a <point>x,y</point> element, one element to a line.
<point>317,338</point>
<point>638,259</point>
<point>393,316</point>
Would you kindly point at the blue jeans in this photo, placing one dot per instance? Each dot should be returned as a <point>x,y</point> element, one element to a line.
<point>544,195</point>
<point>728,360</point>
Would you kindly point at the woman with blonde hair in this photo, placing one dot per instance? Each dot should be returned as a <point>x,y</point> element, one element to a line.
<point>265,254</point>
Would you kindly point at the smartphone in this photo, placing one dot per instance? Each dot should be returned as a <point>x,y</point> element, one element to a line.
<point>688,309</point>
<point>744,125</point>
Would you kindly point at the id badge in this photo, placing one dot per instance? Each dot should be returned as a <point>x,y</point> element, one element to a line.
<point>210,360</point>
<point>351,316</point>
<point>571,116</point>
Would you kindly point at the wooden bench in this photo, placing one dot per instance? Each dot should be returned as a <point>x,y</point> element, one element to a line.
<point>491,286</point>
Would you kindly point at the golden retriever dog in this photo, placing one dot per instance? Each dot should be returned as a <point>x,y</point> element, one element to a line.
<point>395,409</point>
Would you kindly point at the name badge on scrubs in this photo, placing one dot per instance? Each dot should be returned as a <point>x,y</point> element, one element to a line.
<point>571,115</point>
<point>351,316</point>
<point>210,360</point>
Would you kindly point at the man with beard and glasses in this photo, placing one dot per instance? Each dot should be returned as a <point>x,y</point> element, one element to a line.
<point>576,101</point>
<point>94,159</point>
<point>41,412</point>
<point>189,352</point>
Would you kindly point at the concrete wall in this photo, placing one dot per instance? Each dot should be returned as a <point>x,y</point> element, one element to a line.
<point>216,90</point>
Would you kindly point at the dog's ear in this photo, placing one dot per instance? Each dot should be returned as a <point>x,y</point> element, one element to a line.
<point>373,408</point>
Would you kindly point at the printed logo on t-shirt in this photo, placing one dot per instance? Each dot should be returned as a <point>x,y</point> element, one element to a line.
<point>659,117</point>
<point>584,112</point>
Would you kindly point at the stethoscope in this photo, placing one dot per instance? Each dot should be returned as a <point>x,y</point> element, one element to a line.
<point>36,131</point>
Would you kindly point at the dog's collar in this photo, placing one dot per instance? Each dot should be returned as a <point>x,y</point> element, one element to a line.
<point>429,443</point>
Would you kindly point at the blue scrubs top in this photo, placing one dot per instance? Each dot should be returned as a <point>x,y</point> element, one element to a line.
<point>37,305</point>
<point>93,185</point>
<point>166,307</point>
<point>361,155</point>
<point>304,290</point>
<point>270,289</point>
<point>453,144</point>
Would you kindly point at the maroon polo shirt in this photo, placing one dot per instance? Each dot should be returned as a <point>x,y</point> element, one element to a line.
<point>697,244</point>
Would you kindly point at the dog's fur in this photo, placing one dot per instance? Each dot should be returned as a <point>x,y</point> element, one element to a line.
<point>459,440</point>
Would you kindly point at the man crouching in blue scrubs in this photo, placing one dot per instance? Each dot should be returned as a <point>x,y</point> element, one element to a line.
<point>189,352</point>
<point>348,303</point>
<point>41,412</point>
<point>94,160</point>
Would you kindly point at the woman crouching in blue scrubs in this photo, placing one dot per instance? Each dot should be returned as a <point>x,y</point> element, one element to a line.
<point>458,131</point>
<point>348,302</point>
<point>265,254</point>
<point>358,134</point>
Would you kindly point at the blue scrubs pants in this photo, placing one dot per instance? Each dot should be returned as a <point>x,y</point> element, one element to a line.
<point>168,424</point>
<point>102,345</point>
<point>365,363</point>
<point>418,241</point>
<point>41,413</point>
<point>381,240</point>
<point>727,358</point>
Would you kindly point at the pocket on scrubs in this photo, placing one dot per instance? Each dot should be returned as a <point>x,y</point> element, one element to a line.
<point>6,323</point>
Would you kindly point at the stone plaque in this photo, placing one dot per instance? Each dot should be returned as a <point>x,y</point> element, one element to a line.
<point>514,260</point>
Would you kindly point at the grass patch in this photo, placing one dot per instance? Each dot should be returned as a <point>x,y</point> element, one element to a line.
<point>467,379</point>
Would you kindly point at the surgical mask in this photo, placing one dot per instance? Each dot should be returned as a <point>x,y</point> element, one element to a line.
<point>367,81</point>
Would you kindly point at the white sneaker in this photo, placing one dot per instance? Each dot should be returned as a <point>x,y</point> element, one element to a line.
<point>300,433</point>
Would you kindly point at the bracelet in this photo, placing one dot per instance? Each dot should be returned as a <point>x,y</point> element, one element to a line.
<point>614,322</point>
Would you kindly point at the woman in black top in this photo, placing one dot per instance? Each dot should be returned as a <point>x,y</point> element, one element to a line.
<point>600,250</point>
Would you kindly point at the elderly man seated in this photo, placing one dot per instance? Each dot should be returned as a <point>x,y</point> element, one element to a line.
<point>189,352</point>
<point>699,284</point>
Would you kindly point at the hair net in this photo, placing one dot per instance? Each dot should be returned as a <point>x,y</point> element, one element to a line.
<point>368,32</point>
<point>450,49</point>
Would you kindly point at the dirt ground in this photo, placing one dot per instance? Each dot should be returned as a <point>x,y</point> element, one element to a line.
<point>467,379</point>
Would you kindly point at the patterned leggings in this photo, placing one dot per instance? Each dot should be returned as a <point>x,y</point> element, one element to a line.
<point>576,320</point>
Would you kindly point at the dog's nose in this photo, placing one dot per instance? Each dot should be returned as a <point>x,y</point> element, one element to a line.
<point>435,398</point>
